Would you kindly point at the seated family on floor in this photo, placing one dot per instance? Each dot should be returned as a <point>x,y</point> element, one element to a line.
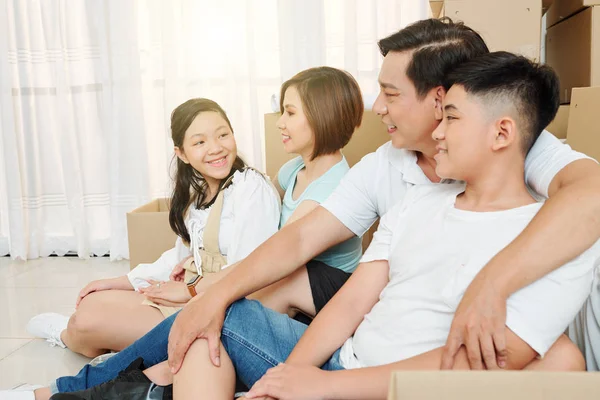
<point>477,202</point>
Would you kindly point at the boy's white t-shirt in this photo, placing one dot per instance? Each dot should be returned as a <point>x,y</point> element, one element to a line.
<point>382,178</point>
<point>434,251</point>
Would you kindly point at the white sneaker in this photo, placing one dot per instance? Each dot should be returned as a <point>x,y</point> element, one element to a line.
<point>23,392</point>
<point>48,326</point>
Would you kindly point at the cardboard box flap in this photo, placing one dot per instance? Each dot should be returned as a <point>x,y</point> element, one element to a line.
<point>546,4</point>
<point>152,206</point>
<point>157,205</point>
<point>510,25</point>
<point>572,50</point>
<point>163,205</point>
<point>436,8</point>
<point>583,133</point>
<point>490,385</point>
<point>562,9</point>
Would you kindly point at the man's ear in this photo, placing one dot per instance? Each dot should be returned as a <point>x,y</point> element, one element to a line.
<point>438,97</point>
<point>181,155</point>
<point>505,133</point>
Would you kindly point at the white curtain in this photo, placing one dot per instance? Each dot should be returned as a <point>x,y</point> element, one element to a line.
<point>87,88</point>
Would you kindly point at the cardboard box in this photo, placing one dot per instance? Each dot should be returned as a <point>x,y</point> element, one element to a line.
<point>558,127</point>
<point>583,133</point>
<point>510,25</point>
<point>562,9</point>
<point>490,385</point>
<point>436,8</point>
<point>149,232</point>
<point>437,5</point>
<point>573,50</point>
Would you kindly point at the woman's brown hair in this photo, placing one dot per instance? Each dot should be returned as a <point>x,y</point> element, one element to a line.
<point>332,103</point>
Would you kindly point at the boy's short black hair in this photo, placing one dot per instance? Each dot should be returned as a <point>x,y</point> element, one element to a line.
<point>532,88</point>
<point>438,45</point>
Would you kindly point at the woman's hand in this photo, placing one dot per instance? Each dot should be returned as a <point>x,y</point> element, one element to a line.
<point>178,272</point>
<point>170,293</point>
<point>121,283</point>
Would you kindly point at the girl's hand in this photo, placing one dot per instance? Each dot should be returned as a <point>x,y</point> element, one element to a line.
<point>170,293</point>
<point>103,284</point>
<point>178,272</point>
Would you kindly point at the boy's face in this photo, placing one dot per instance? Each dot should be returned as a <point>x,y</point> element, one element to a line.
<point>409,119</point>
<point>464,137</point>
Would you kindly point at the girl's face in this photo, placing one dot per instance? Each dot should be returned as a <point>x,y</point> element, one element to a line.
<point>296,133</point>
<point>209,147</point>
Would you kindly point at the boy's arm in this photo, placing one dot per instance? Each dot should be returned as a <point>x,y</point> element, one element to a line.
<point>345,311</point>
<point>308,382</point>
<point>341,316</point>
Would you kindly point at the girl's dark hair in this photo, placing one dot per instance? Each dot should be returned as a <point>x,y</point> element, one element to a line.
<point>190,185</point>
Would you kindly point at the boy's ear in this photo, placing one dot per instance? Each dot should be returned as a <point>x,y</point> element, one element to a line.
<point>439,95</point>
<point>181,155</point>
<point>506,133</point>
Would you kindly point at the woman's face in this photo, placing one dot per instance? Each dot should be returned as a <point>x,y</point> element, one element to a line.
<point>209,147</point>
<point>296,132</point>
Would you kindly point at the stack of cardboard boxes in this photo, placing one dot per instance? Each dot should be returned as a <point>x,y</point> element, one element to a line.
<point>573,50</point>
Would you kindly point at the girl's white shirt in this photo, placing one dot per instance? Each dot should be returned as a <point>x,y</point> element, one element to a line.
<point>250,215</point>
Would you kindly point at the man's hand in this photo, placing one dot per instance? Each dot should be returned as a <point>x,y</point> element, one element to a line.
<point>171,293</point>
<point>203,318</point>
<point>178,273</point>
<point>291,382</point>
<point>479,325</point>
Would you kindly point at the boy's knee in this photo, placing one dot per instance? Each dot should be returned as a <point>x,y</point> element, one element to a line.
<point>566,355</point>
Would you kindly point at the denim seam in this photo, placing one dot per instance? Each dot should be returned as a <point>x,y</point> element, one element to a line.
<point>54,387</point>
<point>267,358</point>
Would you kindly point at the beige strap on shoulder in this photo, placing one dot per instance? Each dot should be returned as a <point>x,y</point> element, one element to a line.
<point>212,259</point>
<point>213,225</point>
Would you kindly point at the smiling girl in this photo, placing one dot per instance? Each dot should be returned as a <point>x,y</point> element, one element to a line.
<point>217,202</point>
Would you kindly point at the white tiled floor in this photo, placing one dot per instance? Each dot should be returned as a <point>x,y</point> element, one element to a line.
<point>36,286</point>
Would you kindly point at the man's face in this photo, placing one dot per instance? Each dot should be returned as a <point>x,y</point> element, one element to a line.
<point>464,137</point>
<point>409,119</point>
